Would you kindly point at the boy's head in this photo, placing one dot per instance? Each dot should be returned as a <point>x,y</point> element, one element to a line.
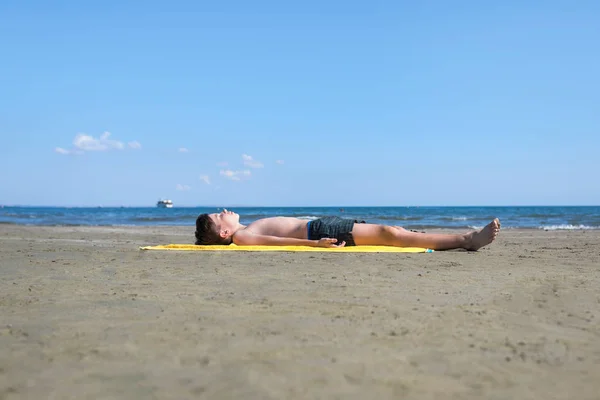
<point>216,229</point>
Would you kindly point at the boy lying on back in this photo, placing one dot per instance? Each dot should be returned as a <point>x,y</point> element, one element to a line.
<point>224,228</point>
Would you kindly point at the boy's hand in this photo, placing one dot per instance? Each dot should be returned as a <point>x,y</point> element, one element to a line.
<point>329,242</point>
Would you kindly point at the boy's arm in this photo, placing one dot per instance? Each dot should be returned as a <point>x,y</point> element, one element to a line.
<point>245,238</point>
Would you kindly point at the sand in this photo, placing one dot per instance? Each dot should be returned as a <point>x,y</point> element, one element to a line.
<point>84,314</point>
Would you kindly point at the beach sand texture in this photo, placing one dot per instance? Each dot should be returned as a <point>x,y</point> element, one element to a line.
<point>84,314</point>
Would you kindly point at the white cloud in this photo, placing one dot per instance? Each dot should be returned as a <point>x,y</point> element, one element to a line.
<point>183,150</point>
<point>235,175</point>
<point>205,179</point>
<point>229,174</point>
<point>60,150</point>
<point>222,164</point>
<point>89,143</point>
<point>83,143</point>
<point>280,162</point>
<point>250,162</point>
<point>183,188</point>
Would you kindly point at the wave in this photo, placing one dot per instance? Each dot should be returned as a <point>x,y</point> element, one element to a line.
<point>567,227</point>
<point>394,218</point>
<point>434,226</point>
<point>465,218</point>
<point>20,216</point>
<point>456,218</point>
<point>539,215</point>
<point>157,219</point>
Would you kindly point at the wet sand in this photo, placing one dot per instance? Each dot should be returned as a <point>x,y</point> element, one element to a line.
<point>84,314</point>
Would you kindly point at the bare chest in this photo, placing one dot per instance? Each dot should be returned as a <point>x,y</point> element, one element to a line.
<point>280,227</point>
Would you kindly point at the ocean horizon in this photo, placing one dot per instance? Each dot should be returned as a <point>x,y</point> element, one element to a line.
<point>411,217</point>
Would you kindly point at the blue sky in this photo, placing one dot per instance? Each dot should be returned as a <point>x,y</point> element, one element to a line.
<point>314,103</point>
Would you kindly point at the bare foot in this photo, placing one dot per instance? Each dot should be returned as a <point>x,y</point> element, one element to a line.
<point>485,236</point>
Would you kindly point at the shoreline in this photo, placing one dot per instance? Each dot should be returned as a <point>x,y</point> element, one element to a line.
<point>86,314</point>
<point>435,229</point>
<point>418,218</point>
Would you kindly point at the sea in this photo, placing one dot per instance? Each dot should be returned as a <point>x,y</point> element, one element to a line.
<point>524,217</point>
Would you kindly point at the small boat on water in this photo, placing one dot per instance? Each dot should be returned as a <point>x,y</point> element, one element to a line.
<point>164,204</point>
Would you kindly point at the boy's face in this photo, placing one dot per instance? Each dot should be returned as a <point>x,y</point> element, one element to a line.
<point>225,220</point>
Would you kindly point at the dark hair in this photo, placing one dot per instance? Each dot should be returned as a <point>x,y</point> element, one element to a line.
<point>206,232</point>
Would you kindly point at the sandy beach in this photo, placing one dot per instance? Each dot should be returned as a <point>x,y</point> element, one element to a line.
<point>84,314</point>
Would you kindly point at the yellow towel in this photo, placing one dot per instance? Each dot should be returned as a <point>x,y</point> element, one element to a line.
<point>233,247</point>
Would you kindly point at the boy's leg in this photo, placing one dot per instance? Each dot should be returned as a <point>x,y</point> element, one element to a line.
<point>382,235</point>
